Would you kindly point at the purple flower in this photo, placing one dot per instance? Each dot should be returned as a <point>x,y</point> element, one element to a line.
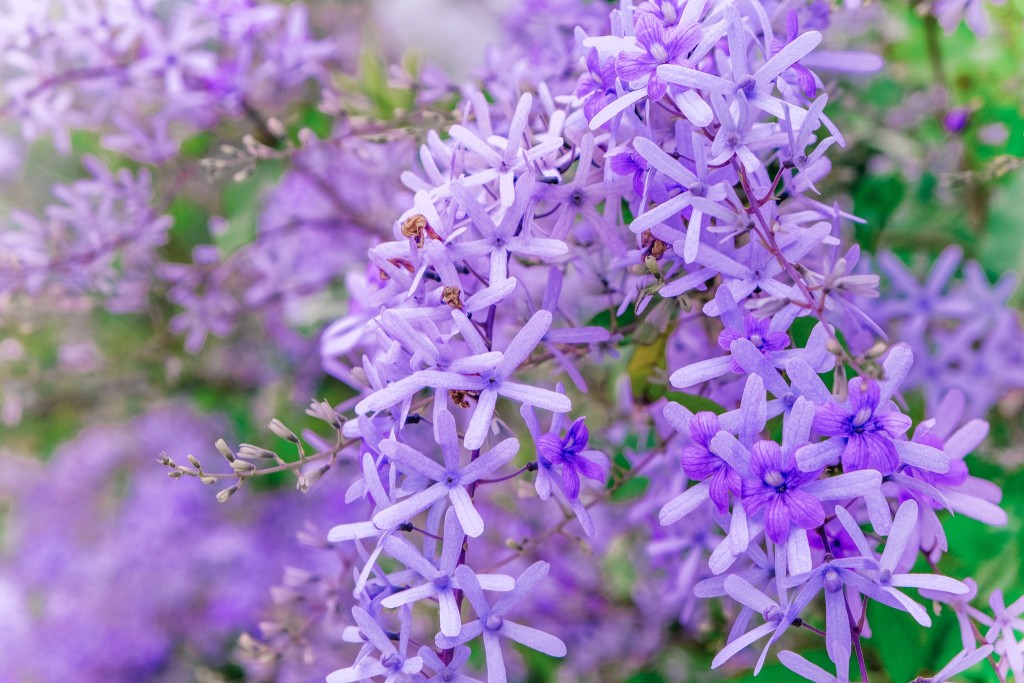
<point>776,490</point>
<point>758,332</point>
<point>803,75</point>
<point>487,373</point>
<point>492,624</point>
<point>440,580</point>
<point>569,452</point>
<point>863,430</point>
<point>701,464</point>
<point>868,429</point>
<point>660,46</point>
<point>450,672</point>
<point>630,163</point>
<point>451,479</point>
<point>392,663</point>
<point>596,87</point>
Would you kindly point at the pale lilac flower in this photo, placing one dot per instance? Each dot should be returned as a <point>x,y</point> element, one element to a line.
<point>888,577</point>
<point>450,672</point>
<point>392,665</point>
<point>483,373</point>
<point>451,479</point>
<point>492,625</point>
<point>440,580</point>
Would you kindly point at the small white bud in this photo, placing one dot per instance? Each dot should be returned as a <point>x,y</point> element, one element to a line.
<point>224,494</point>
<point>222,446</point>
<point>279,429</point>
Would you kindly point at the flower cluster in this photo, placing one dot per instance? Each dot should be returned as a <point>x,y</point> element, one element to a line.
<point>606,353</point>
<point>675,189</point>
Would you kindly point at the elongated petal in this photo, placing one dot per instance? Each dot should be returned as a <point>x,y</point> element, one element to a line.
<point>406,509</point>
<point>411,460</point>
<point>802,667</point>
<point>489,461</point>
<point>701,371</point>
<point>922,456</point>
<point>740,643</point>
<point>837,627</point>
<point>753,361</point>
<point>661,161</point>
<point>406,553</point>
<point>467,633</point>
<point>495,659</point>
<point>787,57</point>
<point>471,521</point>
<point>534,639</point>
<point>698,80</point>
<point>903,527</point>
<point>617,107</point>
<point>480,423</point>
<point>725,446</point>
<point>685,503</point>
<point>848,485</point>
<point>545,399</point>
<point>895,368</point>
<point>931,581</point>
<point>740,590</point>
<point>471,365</point>
<point>448,613</point>
<point>660,213</point>
<point>352,531</point>
<point>372,631</point>
<point>854,530</point>
<point>819,455</point>
<point>525,341</point>
<point>496,582</point>
<point>414,594</point>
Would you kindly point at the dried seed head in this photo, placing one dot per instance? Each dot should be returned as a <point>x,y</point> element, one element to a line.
<point>413,226</point>
<point>452,296</point>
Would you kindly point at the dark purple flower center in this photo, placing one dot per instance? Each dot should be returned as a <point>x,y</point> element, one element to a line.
<point>494,622</point>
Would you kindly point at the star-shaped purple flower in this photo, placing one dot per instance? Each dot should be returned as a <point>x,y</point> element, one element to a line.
<point>450,479</point>
<point>570,452</point>
<point>659,46</point>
